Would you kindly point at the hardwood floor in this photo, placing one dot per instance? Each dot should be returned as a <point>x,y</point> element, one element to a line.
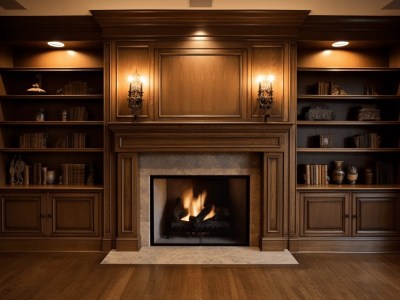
<point>80,276</point>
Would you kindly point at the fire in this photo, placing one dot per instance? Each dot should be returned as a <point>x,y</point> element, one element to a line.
<point>195,205</point>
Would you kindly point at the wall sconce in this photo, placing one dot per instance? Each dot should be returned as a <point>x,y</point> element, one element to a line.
<point>135,94</point>
<point>265,94</point>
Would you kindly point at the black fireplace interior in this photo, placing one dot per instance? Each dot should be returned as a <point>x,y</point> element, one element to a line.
<point>199,210</point>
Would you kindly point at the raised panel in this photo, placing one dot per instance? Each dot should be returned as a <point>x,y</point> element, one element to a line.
<point>201,83</point>
<point>376,214</point>
<point>270,60</point>
<point>74,214</point>
<point>22,214</point>
<point>324,214</point>
<point>131,59</point>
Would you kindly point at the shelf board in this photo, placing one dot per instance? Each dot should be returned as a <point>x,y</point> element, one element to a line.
<point>376,69</point>
<point>330,150</point>
<point>348,97</point>
<point>334,187</point>
<point>23,69</point>
<point>347,123</point>
<point>57,187</point>
<point>31,97</point>
<point>55,150</point>
<point>52,123</point>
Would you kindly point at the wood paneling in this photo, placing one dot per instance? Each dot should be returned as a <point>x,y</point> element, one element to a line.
<point>128,202</point>
<point>376,214</point>
<point>323,214</point>
<point>129,59</point>
<point>201,83</point>
<point>83,206</point>
<point>271,59</point>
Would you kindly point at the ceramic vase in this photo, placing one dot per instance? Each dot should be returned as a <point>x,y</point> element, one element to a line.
<point>352,174</point>
<point>338,173</point>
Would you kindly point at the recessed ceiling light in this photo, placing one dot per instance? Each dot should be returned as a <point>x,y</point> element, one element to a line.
<point>55,44</point>
<point>340,44</point>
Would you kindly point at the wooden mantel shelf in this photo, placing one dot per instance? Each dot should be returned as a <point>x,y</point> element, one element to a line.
<point>193,137</point>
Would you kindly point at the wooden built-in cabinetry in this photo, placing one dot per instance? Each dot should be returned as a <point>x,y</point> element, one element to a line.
<point>360,216</point>
<point>58,128</point>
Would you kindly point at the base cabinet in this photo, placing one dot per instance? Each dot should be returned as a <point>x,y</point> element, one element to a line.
<point>348,221</point>
<point>50,220</point>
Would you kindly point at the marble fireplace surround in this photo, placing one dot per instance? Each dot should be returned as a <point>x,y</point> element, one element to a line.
<point>260,150</point>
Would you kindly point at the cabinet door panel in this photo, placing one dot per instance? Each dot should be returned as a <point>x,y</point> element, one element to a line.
<point>22,214</point>
<point>324,214</point>
<point>74,214</point>
<point>376,214</point>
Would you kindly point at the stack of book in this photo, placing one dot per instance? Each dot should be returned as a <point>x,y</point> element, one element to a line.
<point>72,140</point>
<point>316,174</point>
<point>33,140</point>
<point>73,173</point>
<point>367,140</point>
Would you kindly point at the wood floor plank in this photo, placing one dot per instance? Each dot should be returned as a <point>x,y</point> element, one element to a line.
<point>81,276</point>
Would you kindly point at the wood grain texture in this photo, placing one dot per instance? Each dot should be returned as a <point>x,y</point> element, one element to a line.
<point>199,85</point>
<point>80,276</point>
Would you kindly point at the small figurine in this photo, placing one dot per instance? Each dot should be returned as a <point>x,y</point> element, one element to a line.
<point>19,169</point>
<point>12,171</point>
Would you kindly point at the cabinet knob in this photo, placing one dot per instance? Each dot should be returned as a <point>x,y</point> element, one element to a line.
<point>42,216</point>
<point>346,216</point>
<point>354,216</point>
<point>49,215</point>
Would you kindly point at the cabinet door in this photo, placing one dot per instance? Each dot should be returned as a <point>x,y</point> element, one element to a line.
<point>23,214</point>
<point>73,214</point>
<point>376,214</point>
<point>324,214</point>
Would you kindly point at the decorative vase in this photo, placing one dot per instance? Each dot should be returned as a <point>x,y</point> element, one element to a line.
<point>338,173</point>
<point>352,174</point>
<point>51,176</point>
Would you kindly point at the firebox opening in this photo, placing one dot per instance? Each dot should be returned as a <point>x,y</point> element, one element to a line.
<point>199,210</point>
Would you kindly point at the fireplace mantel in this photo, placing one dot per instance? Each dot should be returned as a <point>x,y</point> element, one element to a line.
<point>270,140</point>
<point>192,137</point>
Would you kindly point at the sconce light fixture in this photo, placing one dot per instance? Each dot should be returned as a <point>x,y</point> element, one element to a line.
<point>265,94</point>
<point>135,94</point>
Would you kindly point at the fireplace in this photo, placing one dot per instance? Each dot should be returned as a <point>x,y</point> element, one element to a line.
<point>199,210</point>
<point>258,151</point>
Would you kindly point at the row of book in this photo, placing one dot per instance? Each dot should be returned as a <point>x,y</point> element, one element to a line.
<point>367,140</point>
<point>36,140</point>
<point>39,140</point>
<point>316,174</point>
<point>73,174</point>
<point>72,140</point>
<point>322,88</point>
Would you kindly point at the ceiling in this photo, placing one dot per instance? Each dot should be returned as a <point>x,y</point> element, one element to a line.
<point>83,7</point>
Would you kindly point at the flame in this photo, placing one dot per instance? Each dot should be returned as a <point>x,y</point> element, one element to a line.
<point>195,205</point>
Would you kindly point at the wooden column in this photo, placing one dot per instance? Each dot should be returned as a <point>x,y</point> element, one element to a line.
<point>272,199</point>
<point>128,202</point>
